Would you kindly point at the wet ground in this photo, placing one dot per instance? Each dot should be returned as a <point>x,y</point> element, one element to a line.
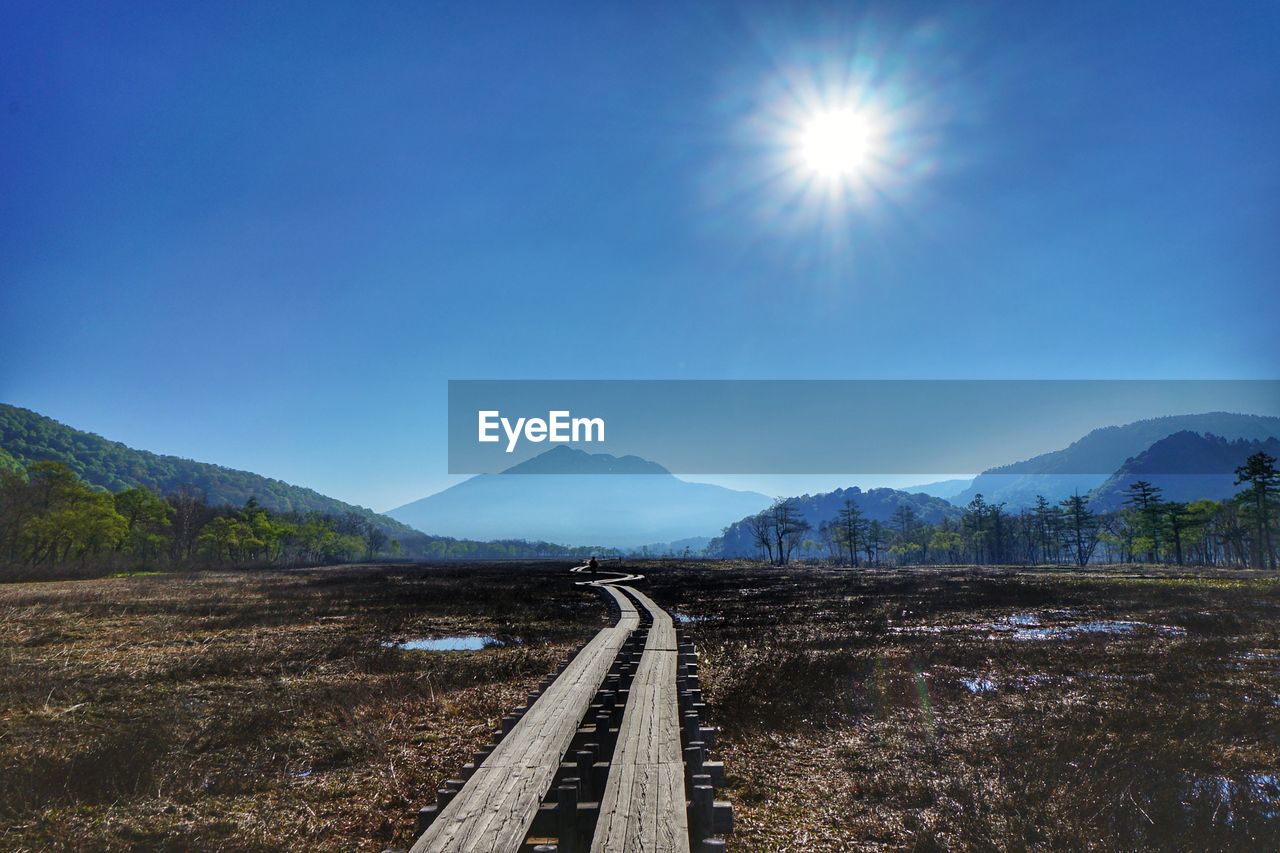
<point>861,709</point>
<point>991,708</point>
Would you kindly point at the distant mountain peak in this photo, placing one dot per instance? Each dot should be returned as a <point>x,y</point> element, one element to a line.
<point>581,498</point>
<point>563,459</point>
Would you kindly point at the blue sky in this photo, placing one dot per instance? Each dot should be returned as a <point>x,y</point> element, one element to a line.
<point>266,235</point>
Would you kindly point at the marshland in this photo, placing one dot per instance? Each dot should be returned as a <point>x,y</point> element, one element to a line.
<point>951,707</point>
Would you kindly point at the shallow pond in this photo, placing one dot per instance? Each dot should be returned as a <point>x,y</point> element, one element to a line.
<point>448,644</point>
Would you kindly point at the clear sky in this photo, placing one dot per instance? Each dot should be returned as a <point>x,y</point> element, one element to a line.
<point>265,235</point>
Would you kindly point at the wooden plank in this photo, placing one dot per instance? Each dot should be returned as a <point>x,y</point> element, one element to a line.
<point>494,809</point>
<point>643,807</point>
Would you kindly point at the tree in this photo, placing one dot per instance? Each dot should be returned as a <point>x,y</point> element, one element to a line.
<point>788,527</point>
<point>760,526</point>
<point>191,512</point>
<point>875,538</point>
<point>849,529</point>
<point>1178,520</point>
<point>377,539</point>
<point>66,518</point>
<point>1048,529</point>
<point>1259,472</point>
<point>1082,528</point>
<point>1145,499</point>
<point>146,522</point>
<point>947,542</point>
<point>975,522</point>
<point>999,532</point>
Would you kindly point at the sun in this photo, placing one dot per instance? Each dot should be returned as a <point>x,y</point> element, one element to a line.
<point>837,144</point>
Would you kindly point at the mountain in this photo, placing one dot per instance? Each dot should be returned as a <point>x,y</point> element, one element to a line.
<point>1087,463</point>
<point>1187,466</point>
<point>876,505</point>
<point>30,437</point>
<point>570,496</point>
<point>694,546</point>
<point>945,489</point>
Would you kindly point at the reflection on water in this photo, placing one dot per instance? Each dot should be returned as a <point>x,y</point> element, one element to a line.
<point>978,685</point>
<point>1032,626</point>
<point>1228,799</point>
<point>448,644</point>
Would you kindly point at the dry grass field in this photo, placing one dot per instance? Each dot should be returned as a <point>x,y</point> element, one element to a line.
<point>941,708</point>
<point>968,708</point>
<point>256,711</point>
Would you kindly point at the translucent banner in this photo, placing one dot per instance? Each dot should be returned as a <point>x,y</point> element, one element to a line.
<point>832,426</point>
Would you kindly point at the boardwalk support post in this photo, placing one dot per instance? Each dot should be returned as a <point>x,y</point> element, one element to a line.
<point>701,812</point>
<point>567,816</point>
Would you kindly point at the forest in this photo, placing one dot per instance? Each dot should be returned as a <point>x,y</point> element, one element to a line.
<point>1237,532</point>
<point>55,524</point>
<point>27,437</point>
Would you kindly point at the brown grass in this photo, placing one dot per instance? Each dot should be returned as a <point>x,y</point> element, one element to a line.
<point>847,722</point>
<point>248,711</point>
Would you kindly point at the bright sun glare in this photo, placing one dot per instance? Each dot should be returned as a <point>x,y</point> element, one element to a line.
<point>836,143</point>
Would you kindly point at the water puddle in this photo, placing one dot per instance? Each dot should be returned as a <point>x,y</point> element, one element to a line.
<point>448,644</point>
<point>978,685</point>
<point>1255,794</point>
<point>1258,655</point>
<point>1032,626</point>
<point>685,618</point>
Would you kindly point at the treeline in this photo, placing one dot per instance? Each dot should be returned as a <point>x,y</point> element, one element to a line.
<point>1237,532</point>
<point>54,524</point>
<point>445,548</point>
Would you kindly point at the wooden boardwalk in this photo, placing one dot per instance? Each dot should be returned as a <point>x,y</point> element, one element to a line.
<point>643,807</point>
<point>645,804</point>
<point>495,808</point>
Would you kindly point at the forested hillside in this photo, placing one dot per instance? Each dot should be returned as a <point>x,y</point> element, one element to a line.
<point>30,437</point>
<point>72,501</point>
<point>54,524</point>
<point>1141,524</point>
<point>1085,464</point>
<point>878,506</point>
<point>1186,467</point>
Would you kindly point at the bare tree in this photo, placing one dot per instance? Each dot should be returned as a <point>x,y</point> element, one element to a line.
<point>849,529</point>
<point>788,527</point>
<point>760,526</point>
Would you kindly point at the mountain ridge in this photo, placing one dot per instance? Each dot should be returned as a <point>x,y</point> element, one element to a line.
<point>876,505</point>
<point>28,437</point>
<point>571,496</point>
<point>1088,462</point>
<point>1186,466</point>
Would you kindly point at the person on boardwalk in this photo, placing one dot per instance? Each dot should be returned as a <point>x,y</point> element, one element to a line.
<point>593,565</point>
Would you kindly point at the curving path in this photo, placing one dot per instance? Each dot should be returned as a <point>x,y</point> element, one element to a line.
<point>644,806</point>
